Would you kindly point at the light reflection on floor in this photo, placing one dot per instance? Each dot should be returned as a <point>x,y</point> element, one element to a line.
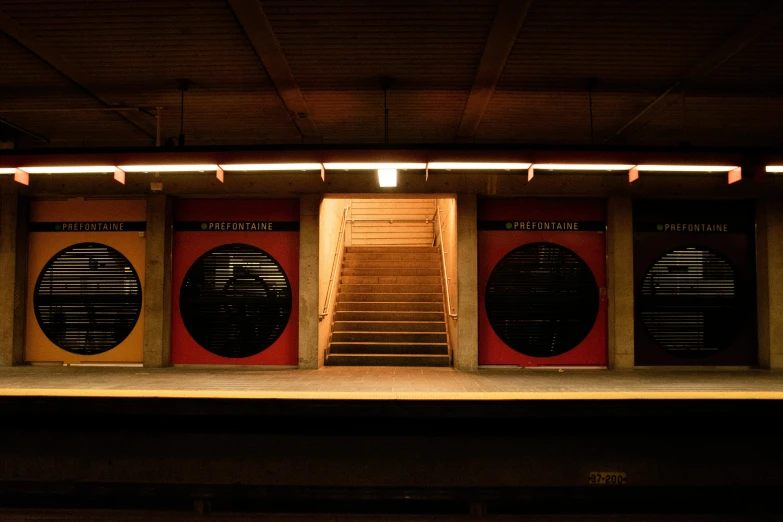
<point>386,383</point>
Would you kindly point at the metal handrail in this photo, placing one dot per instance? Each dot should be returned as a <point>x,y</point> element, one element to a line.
<point>443,260</point>
<point>390,220</point>
<point>340,241</point>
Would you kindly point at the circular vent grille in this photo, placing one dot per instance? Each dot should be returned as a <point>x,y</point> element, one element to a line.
<point>87,298</point>
<point>235,300</point>
<point>542,299</point>
<point>690,302</point>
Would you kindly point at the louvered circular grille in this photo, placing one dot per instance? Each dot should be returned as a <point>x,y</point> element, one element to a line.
<point>690,302</point>
<point>542,299</point>
<point>235,300</point>
<point>87,298</point>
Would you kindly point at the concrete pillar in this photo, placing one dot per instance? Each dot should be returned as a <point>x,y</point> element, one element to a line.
<point>619,280</point>
<point>769,283</point>
<point>13,272</point>
<point>157,286</point>
<point>309,210</point>
<point>466,347</point>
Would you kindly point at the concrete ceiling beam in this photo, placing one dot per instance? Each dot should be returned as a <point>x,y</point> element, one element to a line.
<point>509,18</point>
<point>765,20</point>
<point>70,70</point>
<point>259,32</point>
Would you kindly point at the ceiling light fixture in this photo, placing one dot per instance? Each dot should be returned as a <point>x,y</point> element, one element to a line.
<point>770,168</point>
<point>683,168</point>
<point>374,166</point>
<point>107,169</point>
<point>580,166</point>
<point>7,170</point>
<point>477,166</point>
<point>387,177</point>
<point>269,166</point>
<point>167,168</point>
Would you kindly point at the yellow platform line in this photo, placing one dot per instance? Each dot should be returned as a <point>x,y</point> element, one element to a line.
<point>391,395</point>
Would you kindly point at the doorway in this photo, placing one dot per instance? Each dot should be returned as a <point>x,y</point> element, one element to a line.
<point>387,280</point>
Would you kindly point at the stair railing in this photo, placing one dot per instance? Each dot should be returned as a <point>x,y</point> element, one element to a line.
<point>387,220</point>
<point>443,262</point>
<point>333,277</point>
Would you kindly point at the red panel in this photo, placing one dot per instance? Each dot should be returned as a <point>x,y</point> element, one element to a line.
<point>542,209</point>
<point>590,246</point>
<point>283,246</point>
<point>237,210</point>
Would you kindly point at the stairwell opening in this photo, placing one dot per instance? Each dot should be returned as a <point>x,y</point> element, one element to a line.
<point>387,280</point>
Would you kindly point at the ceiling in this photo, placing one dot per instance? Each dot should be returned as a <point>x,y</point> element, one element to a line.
<point>280,72</point>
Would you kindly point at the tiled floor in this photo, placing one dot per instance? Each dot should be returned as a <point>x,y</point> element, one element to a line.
<point>390,383</point>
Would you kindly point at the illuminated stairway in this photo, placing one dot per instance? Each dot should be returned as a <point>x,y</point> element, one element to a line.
<point>389,309</point>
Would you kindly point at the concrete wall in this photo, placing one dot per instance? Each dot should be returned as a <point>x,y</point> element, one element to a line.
<point>769,281</point>
<point>619,282</point>
<point>468,185</point>
<point>13,272</point>
<point>466,353</point>
<point>309,210</point>
<point>448,214</point>
<point>157,284</point>
<point>330,221</point>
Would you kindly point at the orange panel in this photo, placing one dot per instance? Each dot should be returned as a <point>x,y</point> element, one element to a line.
<point>89,210</point>
<point>44,245</point>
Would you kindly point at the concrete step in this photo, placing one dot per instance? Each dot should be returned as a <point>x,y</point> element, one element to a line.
<point>378,203</point>
<point>389,326</point>
<point>391,256</point>
<point>388,337</point>
<point>400,241</point>
<point>388,316</point>
<point>389,249</point>
<point>393,348</point>
<point>338,359</point>
<point>389,306</point>
<point>392,271</point>
<point>390,297</point>
<point>390,280</point>
<point>392,226</point>
<point>392,235</point>
<point>390,289</point>
<point>391,263</point>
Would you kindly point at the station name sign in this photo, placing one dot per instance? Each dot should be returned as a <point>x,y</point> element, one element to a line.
<point>236,226</point>
<point>713,228</point>
<point>88,226</point>
<point>543,226</point>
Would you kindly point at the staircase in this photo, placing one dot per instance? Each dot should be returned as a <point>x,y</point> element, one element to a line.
<point>389,309</point>
<point>387,222</point>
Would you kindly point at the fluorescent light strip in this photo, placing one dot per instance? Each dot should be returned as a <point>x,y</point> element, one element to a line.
<point>6,170</point>
<point>683,168</point>
<point>373,166</point>
<point>477,166</point>
<point>580,166</point>
<point>70,170</point>
<point>167,168</point>
<point>270,166</point>
<point>770,168</point>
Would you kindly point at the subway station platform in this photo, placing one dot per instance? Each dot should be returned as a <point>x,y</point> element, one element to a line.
<point>388,383</point>
<point>410,438</point>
